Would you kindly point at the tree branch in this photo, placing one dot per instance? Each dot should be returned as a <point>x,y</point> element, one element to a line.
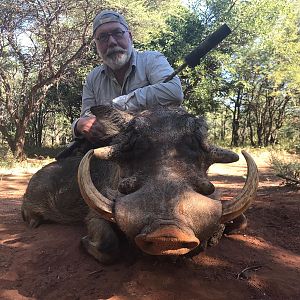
<point>288,178</point>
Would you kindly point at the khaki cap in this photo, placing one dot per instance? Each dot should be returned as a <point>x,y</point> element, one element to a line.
<point>107,16</point>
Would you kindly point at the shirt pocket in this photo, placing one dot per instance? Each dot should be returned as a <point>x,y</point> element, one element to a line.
<point>134,86</point>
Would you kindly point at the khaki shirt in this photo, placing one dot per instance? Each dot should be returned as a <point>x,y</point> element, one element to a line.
<point>143,84</point>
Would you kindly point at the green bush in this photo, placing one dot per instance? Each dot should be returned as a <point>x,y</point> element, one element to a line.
<point>287,168</point>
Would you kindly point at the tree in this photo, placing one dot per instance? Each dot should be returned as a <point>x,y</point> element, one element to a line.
<point>260,67</point>
<point>267,67</point>
<point>56,39</point>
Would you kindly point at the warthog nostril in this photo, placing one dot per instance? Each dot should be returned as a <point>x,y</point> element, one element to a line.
<point>187,245</point>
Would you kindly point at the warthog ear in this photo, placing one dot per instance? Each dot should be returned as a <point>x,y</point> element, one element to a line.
<point>112,120</point>
<point>221,155</point>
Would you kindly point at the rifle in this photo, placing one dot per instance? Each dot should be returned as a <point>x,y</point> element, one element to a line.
<point>191,60</point>
<point>210,42</point>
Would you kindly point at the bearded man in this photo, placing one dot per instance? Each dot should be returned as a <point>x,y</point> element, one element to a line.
<point>128,79</point>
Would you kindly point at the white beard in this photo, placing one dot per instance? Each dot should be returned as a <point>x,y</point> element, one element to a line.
<point>117,57</point>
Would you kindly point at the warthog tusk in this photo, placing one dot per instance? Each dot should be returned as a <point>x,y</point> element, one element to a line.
<point>235,207</point>
<point>90,194</point>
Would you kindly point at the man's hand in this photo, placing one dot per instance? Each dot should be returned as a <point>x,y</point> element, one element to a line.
<point>92,130</point>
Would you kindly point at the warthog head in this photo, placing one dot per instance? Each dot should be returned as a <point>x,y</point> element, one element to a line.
<point>162,205</point>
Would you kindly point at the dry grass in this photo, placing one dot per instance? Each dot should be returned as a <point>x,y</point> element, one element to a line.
<point>28,166</point>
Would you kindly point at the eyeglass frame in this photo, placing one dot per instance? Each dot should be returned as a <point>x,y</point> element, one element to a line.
<point>107,35</point>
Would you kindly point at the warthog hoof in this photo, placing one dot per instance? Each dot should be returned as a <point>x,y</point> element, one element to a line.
<point>216,237</point>
<point>94,249</point>
<point>33,219</point>
<point>234,226</point>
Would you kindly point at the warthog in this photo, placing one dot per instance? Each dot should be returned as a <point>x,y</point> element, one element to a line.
<point>150,185</point>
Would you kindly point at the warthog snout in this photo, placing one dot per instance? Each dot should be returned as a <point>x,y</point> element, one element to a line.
<point>167,240</point>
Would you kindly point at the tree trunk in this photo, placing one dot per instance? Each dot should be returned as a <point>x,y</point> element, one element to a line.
<point>236,120</point>
<point>251,134</point>
<point>223,127</point>
<point>235,133</point>
<point>259,132</point>
<point>18,148</point>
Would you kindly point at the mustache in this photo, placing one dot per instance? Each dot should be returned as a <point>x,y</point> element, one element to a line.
<point>115,50</point>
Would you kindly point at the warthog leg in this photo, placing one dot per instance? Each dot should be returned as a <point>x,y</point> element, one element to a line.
<point>102,241</point>
<point>211,242</point>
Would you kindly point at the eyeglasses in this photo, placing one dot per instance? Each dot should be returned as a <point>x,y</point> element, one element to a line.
<point>104,37</point>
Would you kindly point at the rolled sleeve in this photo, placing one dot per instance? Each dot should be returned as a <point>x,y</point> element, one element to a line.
<point>157,92</point>
<point>88,97</point>
<point>88,100</point>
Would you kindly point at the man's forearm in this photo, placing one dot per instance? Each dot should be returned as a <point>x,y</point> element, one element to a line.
<point>169,93</point>
<point>74,130</point>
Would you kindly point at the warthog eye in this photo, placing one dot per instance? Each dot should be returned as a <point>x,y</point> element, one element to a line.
<point>129,185</point>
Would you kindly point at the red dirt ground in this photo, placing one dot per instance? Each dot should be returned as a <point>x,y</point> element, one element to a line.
<point>263,262</point>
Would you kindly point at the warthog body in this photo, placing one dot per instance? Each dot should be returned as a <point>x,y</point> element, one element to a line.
<point>149,185</point>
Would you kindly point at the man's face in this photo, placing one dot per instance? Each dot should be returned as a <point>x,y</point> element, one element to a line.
<point>115,48</point>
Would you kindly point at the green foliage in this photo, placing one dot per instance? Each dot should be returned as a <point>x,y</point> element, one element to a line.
<point>289,134</point>
<point>5,153</point>
<point>39,43</point>
<point>256,69</point>
<point>287,167</point>
<point>182,33</point>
